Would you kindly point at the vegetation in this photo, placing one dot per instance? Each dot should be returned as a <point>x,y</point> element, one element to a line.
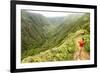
<point>44,41</point>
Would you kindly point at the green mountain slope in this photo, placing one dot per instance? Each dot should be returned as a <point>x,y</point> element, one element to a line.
<point>41,39</point>
<point>34,31</point>
<point>71,23</point>
<point>64,52</point>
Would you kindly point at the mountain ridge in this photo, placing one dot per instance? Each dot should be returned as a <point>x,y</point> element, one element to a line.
<point>39,34</point>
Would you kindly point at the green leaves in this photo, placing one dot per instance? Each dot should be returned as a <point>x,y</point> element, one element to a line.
<point>87,42</point>
<point>42,41</point>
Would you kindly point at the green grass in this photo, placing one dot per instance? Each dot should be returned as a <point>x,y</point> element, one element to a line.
<point>64,52</point>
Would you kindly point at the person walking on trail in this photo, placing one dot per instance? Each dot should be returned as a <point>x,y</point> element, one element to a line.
<point>81,46</point>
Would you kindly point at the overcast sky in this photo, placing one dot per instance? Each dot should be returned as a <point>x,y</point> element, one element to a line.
<point>52,14</point>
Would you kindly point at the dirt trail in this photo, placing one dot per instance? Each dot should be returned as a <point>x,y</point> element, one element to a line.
<point>84,55</point>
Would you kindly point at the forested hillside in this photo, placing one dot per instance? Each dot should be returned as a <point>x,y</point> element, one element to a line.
<point>53,39</point>
<point>34,31</point>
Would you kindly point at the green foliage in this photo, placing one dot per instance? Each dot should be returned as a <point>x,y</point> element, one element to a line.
<point>43,41</point>
<point>87,42</point>
<point>61,53</point>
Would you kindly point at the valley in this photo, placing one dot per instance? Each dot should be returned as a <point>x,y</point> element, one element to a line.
<point>46,39</point>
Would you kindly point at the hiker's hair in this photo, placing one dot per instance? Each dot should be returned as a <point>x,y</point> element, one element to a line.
<point>83,39</point>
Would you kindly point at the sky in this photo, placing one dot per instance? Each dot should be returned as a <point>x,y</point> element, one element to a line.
<point>52,14</point>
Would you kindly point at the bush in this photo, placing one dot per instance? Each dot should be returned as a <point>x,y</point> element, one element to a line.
<point>87,42</point>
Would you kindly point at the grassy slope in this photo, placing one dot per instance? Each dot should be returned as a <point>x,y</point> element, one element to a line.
<point>63,39</point>
<point>61,53</point>
<point>34,31</point>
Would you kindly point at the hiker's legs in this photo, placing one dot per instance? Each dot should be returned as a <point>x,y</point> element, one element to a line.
<point>80,52</point>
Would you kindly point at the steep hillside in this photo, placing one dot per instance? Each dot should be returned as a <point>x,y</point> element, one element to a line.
<point>65,52</point>
<point>41,36</point>
<point>34,31</point>
<point>71,23</point>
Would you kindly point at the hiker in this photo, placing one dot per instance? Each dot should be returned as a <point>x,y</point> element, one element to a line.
<point>81,46</point>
